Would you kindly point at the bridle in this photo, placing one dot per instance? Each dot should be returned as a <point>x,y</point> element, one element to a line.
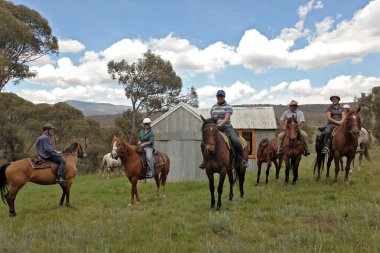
<point>349,125</point>
<point>123,152</point>
<point>203,136</point>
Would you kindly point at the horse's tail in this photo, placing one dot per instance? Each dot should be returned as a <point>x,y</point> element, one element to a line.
<point>3,181</point>
<point>101,168</point>
<point>165,171</point>
<point>315,165</point>
<point>236,174</point>
<point>366,154</point>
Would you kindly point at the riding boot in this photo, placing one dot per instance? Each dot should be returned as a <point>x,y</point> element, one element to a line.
<point>279,148</point>
<point>202,166</point>
<point>59,179</point>
<point>326,149</point>
<point>306,151</point>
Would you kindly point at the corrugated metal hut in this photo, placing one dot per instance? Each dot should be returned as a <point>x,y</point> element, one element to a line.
<point>178,133</point>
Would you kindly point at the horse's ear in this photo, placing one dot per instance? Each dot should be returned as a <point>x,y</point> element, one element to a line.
<point>203,119</point>
<point>358,110</point>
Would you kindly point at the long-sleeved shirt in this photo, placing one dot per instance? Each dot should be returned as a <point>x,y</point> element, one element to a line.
<point>44,147</point>
<point>145,137</point>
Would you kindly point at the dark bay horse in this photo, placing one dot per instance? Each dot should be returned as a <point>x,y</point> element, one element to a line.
<point>292,150</point>
<point>319,162</point>
<point>133,166</point>
<point>345,143</point>
<point>218,159</point>
<point>17,174</point>
<point>267,153</point>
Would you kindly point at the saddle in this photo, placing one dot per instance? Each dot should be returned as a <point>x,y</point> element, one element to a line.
<point>158,159</point>
<point>39,163</point>
<point>228,142</point>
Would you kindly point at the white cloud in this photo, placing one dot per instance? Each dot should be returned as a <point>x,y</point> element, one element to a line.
<point>324,26</point>
<point>279,87</point>
<point>303,10</point>
<point>70,46</point>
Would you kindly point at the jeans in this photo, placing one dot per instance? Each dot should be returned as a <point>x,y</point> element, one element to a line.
<point>235,141</point>
<point>59,160</point>
<point>149,158</point>
<point>328,131</point>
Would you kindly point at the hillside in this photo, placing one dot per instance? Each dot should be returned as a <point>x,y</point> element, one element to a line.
<point>91,108</point>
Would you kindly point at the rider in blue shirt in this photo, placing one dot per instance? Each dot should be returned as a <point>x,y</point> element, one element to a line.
<point>221,112</point>
<point>45,150</point>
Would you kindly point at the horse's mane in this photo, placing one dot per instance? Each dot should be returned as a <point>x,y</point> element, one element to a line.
<point>71,147</point>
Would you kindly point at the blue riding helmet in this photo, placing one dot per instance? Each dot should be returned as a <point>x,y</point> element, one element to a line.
<point>221,93</point>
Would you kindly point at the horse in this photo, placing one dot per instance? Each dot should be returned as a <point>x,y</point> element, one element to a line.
<point>134,168</point>
<point>345,143</point>
<point>109,164</point>
<point>16,174</point>
<point>267,153</point>
<point>363,147</point>
<point>319,162</point>
<point>218,159</point>
<point>292,150</point>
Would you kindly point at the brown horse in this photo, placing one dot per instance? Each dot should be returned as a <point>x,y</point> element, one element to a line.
<point>218,159</point>
<point>134,169</point>
<point>345,143</point>
<point>267,153</point>
<point>18,173</point>
<point>292,150</point>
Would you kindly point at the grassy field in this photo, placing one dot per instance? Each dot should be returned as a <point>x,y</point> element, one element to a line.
<point>313,216</point>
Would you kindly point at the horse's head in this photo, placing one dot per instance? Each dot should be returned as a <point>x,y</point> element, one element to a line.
<point>209,135</point>
<point>292,128</point>
<point>118,147</point>
<point>76,147</point>
<point>354,122</point>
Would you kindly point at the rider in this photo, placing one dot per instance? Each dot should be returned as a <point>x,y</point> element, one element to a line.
<point>346,108</point>
<point>221,113</point>
<point>146,141</point>
<point>299,116</point>
<point>45,150</point>
<point>336,115</point>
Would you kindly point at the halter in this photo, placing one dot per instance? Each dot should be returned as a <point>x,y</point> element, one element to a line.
<point>203,129</point>
<point>123,153</point>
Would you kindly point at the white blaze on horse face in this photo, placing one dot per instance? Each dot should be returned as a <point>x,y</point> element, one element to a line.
<point>114,148</point>
<point>353,116</point>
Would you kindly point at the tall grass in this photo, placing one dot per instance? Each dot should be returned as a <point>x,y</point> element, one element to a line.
<point>313,216</point>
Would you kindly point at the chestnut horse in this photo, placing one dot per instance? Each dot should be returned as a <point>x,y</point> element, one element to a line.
<point>267,153</point>
<point>18,173</point>
<point>292,149</point>
<point>345,143</point>
<point>134,169</point>
<point>218,159</point>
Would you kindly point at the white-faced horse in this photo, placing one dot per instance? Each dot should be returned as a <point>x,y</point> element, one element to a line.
<point>109,165</point>
<point>363,146</point>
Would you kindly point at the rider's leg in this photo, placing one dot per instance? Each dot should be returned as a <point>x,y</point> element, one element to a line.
<point>237,145</point>
<point>280,138</point>
<point>62,163</point>
<point>304,137</point>
<point>328,132</point>
<point>149,159</point>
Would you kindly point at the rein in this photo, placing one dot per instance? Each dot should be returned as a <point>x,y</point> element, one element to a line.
<point>203,129</point>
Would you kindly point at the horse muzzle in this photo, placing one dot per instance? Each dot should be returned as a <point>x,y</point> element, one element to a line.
<point>210,149</point>
<point>355,133</point>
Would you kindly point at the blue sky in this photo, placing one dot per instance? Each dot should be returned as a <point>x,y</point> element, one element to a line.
<point>258,51</point>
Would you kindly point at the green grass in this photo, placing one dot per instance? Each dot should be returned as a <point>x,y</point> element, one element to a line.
<point>313,216</point>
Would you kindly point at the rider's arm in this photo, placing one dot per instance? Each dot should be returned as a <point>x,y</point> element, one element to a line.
<point>225,120</point>
<point>328,115</point>
<point>343,117</point>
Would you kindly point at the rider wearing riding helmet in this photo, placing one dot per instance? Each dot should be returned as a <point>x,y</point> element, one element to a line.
<point>293,112</point>
<point>221,113</point>
<point>45,150</point>
<point>347,108</point>
<point>336,115</point>
<point>146,141</point>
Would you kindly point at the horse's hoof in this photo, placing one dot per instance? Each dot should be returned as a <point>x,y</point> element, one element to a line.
<point>294,183</point>
<point>218,209</point>
<point>347,182</point>
<point>68,205</point>
<point>137,202</point>
<point>266,182</point>
<point>230,198</point>
<point>257,184</point>
<point>60,204</point>
<point>241,196</point>
<point>12,214</point>
<point>130,204</point>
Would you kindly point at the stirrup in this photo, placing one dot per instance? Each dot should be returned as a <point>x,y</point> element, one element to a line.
<point>325,150</point>
<point>202,166</point>
<point>59,180</point>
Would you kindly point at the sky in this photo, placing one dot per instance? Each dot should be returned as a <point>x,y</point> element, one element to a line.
<point>267,52</point>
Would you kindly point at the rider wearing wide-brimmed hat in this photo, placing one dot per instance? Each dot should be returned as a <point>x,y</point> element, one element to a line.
<point>293,112</point>
<point>45,150</point>
<point>336,115</point>
<point>146,141</point>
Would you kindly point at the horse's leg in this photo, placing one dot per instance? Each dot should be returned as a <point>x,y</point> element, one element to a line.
<point>269,164</point>
<point>241,182</point>
<point>212,188</point>
<point>63,194</point>
<point>220,190</point>
<point>108,172</point>
<point>277,168</point>
<point>259,163</point>
<point>137,193</point>
<point>295,169</point>
<point>10,197</point>
<point>287,169</point>
<point>360,160</point>
<point>349,160</point>
<point>337,164</point>
<point>329,160</point>
<point>133,190</point>
<point>341,164</point>
<point>231,180</point>
<point>157,179</point>
<point>68,184</point>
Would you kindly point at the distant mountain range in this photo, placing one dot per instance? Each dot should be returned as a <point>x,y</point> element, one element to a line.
<point>91,109</point>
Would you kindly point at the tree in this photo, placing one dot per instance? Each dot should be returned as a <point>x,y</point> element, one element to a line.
<point>151,84</point>
<point>24,37</point>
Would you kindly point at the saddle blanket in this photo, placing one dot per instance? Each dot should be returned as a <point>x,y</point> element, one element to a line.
<point>228,141</point>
